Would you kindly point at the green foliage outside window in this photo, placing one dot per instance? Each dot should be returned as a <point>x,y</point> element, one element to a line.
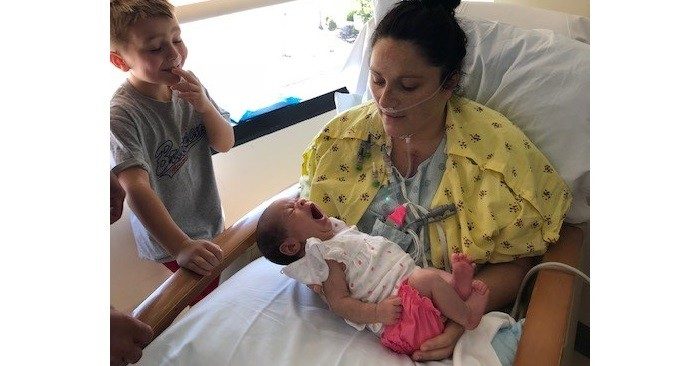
<point>363,10</point>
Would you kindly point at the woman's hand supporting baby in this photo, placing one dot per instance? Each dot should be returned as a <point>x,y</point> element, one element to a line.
<point>441,346</point>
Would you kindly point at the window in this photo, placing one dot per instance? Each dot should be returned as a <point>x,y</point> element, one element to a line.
<point>258,59</point>
<point>281,53</point>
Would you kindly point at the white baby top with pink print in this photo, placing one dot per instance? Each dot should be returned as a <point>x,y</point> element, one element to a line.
<point>374,266</point>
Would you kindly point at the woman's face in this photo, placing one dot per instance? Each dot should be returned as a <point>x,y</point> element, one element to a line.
<point>400,77</point>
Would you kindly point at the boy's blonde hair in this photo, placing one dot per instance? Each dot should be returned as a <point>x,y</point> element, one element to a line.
<point>124,13</point>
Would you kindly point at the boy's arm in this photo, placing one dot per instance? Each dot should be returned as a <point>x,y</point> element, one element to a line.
<point>336,290</point>
<point>200,256</point>
<point>219,131</point>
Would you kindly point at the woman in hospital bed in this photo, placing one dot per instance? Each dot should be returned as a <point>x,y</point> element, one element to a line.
<point>473,183</point>
<point>362,276</point>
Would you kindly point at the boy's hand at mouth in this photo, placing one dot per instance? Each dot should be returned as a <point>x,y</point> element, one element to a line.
<point>192,91</point>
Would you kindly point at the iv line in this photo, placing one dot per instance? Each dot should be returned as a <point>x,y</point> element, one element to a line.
<point>551,265</point>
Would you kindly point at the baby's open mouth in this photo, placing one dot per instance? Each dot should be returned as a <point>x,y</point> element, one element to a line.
<point>315,212</point>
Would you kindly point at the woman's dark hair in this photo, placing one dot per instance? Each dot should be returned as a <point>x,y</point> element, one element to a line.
<point>271,233</point>
<point>430,25</point>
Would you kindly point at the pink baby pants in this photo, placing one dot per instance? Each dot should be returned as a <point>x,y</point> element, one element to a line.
<point>419,321</point>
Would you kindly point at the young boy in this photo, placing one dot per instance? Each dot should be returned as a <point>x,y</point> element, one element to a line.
<point>361,274</point>
<point>163,127</point>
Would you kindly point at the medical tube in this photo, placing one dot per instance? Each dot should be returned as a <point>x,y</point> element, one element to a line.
<point>391,110</point>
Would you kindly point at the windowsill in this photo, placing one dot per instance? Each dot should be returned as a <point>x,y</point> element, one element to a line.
<point>284,117</point>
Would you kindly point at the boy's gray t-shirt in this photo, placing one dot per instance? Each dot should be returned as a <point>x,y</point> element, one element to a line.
<point>169,141</point>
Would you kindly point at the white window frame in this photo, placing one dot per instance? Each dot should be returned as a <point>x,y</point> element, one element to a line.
<point>212,8</point>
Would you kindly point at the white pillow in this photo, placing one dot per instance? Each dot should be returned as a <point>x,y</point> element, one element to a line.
<point>568,25</point>
<point>344,101</point>
<point>540,81</point>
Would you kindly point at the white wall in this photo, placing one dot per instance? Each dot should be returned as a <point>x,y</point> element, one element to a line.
<point>246,176</point>
<point>577,7</point>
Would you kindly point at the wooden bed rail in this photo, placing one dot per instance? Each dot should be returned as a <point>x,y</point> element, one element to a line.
<point>547,329</point>
<point>545,333</point>
<point>169,299</point>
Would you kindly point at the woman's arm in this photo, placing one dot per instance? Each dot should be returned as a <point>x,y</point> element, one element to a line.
<point>503,279</point>
<point>336,290</point>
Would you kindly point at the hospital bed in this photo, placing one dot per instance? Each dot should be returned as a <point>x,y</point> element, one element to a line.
<point>261,317</point>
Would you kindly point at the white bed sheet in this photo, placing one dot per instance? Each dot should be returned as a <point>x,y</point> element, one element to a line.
<point>261,317</point>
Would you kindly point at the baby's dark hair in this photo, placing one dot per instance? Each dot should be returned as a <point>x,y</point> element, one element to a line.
<point>431,25</point>
<point>271,234</point>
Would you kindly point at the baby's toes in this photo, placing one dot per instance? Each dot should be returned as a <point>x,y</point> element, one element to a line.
<point>479,286</point>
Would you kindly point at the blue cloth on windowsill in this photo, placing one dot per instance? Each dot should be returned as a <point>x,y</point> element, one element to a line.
<point>248,114</point>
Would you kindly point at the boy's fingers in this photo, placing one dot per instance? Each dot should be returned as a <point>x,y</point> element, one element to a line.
<point>179,71</point>
<point>202,263</point>
<point>193,77</point>
<point>194,268</point>
<point>187,75</point>
<point>215,249</point>
<point>179,87</point>
<point>186,87</point>
<point>210,258</point>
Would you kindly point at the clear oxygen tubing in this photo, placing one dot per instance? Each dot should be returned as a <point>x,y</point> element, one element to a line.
<point>419,248</point>
<point>391,110</point>
<point>550,265</point>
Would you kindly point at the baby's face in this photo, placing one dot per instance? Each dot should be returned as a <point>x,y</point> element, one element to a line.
<point>303,219</point>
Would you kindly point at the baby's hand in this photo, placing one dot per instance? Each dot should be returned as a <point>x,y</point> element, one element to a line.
<point>318,289</point>
<point>200,256</point>
<point>192,90</point>
<point>389,310</point>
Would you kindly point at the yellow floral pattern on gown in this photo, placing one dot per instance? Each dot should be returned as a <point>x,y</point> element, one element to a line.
<point>510,200</point>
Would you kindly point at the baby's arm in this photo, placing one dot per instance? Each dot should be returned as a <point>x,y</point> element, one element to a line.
<point>219,131</point>
<point>335,287</point>
<point>200,256</point>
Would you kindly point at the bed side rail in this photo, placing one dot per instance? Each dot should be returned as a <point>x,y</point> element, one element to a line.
<point>170,298</point>
<point>547,327</point>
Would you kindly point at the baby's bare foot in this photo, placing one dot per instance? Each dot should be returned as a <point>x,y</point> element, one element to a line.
<point>462,274</point>
<point>477,303</point>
